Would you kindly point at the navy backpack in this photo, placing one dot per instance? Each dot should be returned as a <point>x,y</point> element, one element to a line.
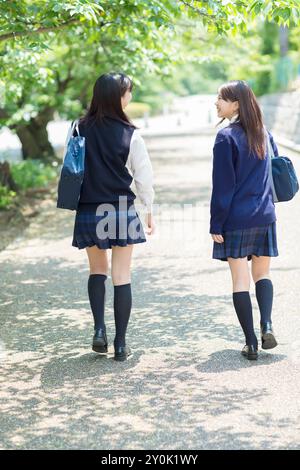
<point>283,177</point>
<point>72,171</point>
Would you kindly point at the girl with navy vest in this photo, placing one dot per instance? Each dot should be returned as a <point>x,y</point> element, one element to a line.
<point>106,218</point>
<point>243,220</point>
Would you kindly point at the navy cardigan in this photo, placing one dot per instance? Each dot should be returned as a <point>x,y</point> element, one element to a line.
<point>241,194</point>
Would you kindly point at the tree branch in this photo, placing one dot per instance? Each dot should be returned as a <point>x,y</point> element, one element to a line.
<point>62,84</point>
<point>45,29</point>
<point>3,114</point>
<point>42,29</point>
<point>198,10</point>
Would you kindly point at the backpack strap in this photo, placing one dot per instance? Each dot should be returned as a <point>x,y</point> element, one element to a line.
<point>270,156</point>
<point>269,146</point>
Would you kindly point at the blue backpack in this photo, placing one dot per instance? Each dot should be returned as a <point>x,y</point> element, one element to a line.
<point>283,177</point>
<point>72,171</point>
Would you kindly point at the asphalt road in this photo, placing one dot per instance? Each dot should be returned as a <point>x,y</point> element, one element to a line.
<point>186,385</point>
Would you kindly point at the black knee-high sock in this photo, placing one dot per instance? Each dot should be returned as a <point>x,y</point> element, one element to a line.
<point>243,308</point>
<point>122,309</point>
<point>96,290</point>
<point>264,295</point>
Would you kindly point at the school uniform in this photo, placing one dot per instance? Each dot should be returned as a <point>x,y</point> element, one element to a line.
<point>115,155</point>
<point>242,207</point>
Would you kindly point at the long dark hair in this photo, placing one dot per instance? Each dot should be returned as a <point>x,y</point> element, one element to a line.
<point>250,115</point>
<point>106,100</point>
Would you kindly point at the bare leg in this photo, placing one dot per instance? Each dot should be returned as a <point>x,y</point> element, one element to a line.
<point>240,274</point>
<point>260,267</point>
<point>120,264</point>
<point>97,260</point>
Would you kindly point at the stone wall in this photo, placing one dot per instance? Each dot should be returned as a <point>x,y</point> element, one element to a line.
<point>282,116</point>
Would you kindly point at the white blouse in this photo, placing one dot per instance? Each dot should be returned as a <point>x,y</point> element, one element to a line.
<point>139,165</point>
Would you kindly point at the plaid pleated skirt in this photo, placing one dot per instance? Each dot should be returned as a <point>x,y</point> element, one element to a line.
<point>258,241</point>
<point>107,227</point>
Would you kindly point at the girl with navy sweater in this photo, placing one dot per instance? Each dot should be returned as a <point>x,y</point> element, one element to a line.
<point>243,220</point>
<point>106,218</point>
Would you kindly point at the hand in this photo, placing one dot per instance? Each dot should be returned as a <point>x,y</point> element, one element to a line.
<point>150,224</point>
<point>217,238</point>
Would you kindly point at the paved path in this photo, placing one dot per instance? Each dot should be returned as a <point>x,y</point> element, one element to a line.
<point>186,385</point>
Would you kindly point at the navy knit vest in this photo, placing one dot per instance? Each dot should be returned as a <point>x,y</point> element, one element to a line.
<point>107,147</point>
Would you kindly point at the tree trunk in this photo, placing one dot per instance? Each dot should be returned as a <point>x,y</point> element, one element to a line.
<point>34,137</point>
<point>6,178</point>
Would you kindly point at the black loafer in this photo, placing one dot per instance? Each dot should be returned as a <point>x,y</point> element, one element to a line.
<point>121,353</point>
<point>99,341</point>
<point>250,352</point>
<point>268,340</point>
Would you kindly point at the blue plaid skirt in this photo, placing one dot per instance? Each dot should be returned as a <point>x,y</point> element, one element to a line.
<point>110,227</point>
<point>258,241</point>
